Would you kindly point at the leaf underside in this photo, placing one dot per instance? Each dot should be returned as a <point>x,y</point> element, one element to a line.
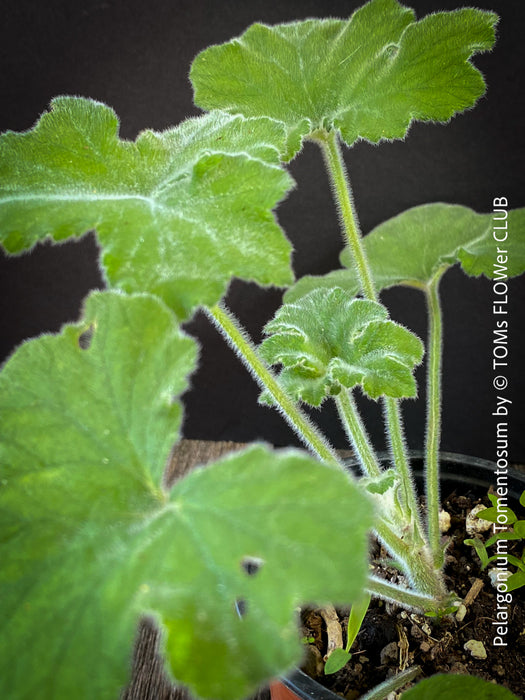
<point>412,247</point>
<point>369,76</point>
<point>92,538</point>
<point>328,341</point>
<point>177,213</point>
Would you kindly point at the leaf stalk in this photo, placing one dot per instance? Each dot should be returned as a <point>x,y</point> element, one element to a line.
<point>356,433</point>
<point>230,328</point>
<point>333,157</point>
<point>335,165</point>
<point>433,428</point>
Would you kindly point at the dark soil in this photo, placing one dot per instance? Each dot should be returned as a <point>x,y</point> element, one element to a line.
<point>392,639</point>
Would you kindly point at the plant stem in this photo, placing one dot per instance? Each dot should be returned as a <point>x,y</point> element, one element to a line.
<point>383,690</point>
<point>397,445</point>
<point>417,562</point>
<point>404,596</point>
<point>433,432</point>
<point>329,142</point>
<point>237,338</point>
<point>335,165</point>
<point>229,327</point>
<point>356,433</point>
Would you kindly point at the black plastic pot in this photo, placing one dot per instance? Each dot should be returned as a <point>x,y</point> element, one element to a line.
<point>458,472</point>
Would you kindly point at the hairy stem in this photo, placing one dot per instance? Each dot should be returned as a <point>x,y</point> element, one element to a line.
<point>416,561</point>
<point>383,690</point>
<point>403,596</point>
<point>335,166</point>
<point>237,338</point>
<point>433,431</point>
<point>416,566</point>
<point>329,142</point>
<point>356,433</point>
<point>397,446</point>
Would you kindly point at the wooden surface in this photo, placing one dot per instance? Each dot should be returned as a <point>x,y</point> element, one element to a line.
<point>148,680</point>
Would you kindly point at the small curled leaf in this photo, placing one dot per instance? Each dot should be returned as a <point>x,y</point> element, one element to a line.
<point>328,341</point>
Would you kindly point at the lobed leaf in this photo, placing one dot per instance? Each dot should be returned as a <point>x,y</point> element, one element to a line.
<point>368,76</point>
<point>413,246</point>
<point>327,340</point>
<point>177,213</point>
<point>92,537</point>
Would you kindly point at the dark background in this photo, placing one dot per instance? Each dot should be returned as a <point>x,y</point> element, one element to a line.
<point>135,56</point>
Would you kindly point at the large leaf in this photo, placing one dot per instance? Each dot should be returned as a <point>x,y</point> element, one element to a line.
<point>369,76</point>
<point>410,248</point>
<point>327,340</point>
<point>457,687</point>
<point>177,213</point>
<point>92,537</point>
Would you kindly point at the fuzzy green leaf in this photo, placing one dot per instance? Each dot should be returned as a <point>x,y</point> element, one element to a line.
<point>92,537</point>
<point>457,687</point>
<point>369,76</point>
<point>410,248</point>
<point>177,213</point>
<point>327,341</point>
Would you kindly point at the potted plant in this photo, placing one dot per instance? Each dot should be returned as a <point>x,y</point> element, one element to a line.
<point>94,536</point>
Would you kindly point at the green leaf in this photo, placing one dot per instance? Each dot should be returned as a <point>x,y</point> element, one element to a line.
<point>519,528</point>
<point>503,536</point>
<point>457,687</point>
<point>512,560</point>
<point>516,580</point>
<point>413,246</point>
<point>264,507</point>
<point>491,514</point>
<point>84,438</point>
<point>177,213</point>
<point>369,76</point>
<point>522,499</point>
<point>337,659</point>
<point>355,619</point>
<point>382,483</point>
<point>481,550</point>
<point>327,341</point>
<point>92,538</point>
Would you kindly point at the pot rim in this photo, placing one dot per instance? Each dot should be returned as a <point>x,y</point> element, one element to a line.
<point>475,472</point>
